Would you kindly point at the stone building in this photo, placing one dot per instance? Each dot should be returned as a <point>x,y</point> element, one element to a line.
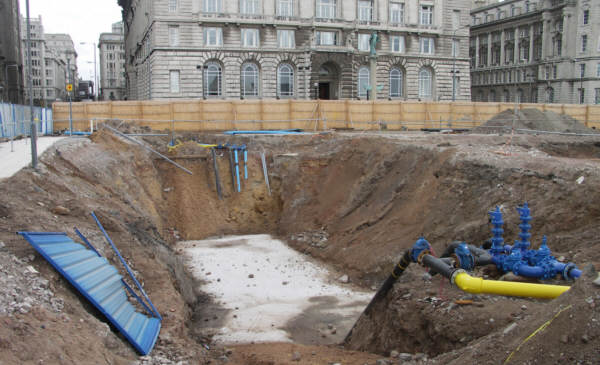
<point>63,55</point>
<point>53,62</point>
<point>11,61</point>
<point>112,64</point>
<point>536,51</point>
<point>296,49</point>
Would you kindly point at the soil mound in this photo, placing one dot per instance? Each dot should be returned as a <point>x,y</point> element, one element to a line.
<point>533,119</point>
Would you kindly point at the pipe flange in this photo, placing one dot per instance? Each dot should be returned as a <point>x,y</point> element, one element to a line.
<point>454,274</point>
<point>567,270</point>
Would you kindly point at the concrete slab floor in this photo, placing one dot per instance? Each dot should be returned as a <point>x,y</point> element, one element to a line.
<point>271,292</point>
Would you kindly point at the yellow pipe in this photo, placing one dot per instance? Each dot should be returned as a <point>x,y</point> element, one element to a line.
<point>480,286</point>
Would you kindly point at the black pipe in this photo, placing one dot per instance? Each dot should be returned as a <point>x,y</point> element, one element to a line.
<point>232,169</point>
<point>217,179</point>
<point>482,257</point>
<point>384,289</point>
<point>438,265</point>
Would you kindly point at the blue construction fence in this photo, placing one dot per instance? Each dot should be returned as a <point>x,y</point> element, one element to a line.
<point>15,120</point>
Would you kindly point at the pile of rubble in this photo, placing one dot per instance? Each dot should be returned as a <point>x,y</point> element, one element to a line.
<point>22,288</point>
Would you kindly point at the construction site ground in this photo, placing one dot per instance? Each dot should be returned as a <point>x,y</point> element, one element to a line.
<point>351,201</point>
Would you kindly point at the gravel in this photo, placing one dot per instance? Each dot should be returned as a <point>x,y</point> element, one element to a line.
<point>22,288</point>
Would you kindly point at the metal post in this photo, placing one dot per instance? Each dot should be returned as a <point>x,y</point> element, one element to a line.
<point>70,98</point>
<point>33,133</point>
<point>95,72</point>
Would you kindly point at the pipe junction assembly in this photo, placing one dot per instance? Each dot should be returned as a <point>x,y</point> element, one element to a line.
<point>459,257</point>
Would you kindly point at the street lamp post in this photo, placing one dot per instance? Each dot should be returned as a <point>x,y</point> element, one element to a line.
<point>454,53</point>
<point>33,133</point>
<point>96,87</point>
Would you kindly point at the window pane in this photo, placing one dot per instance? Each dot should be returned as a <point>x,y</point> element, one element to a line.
<point>212,80</point>
<point>363,81</point>
<point>285,85</point>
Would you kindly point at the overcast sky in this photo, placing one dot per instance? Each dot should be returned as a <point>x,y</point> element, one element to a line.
<point>84,20</point>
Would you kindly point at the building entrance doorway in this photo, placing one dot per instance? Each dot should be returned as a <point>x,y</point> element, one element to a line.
<point>324,91</point>
<point>328,82</point>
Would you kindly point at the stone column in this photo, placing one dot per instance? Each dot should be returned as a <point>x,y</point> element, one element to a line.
<point>502,40</point>
<point>477,51</point>
<point>516,53</point>
<point>489,50</point>
<point>531,28</point>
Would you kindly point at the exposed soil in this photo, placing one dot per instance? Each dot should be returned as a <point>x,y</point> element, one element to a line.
<point>353,201</point>
<point>535,120</point>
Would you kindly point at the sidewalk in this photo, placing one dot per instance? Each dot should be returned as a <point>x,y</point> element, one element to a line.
<point>12,162</point>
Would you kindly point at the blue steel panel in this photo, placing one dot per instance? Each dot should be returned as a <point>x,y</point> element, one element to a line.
<point>100,283</point>
<point>77,271</point>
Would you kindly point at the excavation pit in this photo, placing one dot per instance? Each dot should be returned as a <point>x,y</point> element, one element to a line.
<point>370,195</point>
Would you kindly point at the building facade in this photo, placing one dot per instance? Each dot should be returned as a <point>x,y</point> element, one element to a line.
<point>11,61</point>
<point>112,64</point>
<point>545,51</point>
<point>53,62</point>
<point>245,49</point>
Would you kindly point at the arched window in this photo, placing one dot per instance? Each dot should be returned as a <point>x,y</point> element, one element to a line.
<point>550,95</point>
<point>425,83</point>
<point>492,95</point>
<point>520,96</point>
<point>212,79</point>
<point>396,80</point>
<point>249,81</point>
<point>285,80</point>
<point>363,81</point>
<point>506,96</point>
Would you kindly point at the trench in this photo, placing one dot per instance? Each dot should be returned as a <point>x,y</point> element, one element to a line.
<point>352,206</point>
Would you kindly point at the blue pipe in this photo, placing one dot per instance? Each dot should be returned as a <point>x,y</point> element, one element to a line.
<point>137,283</point>
<point>237,169</point>
<point>497,231</point>
<point>245,164</point>
<point>524,214</point>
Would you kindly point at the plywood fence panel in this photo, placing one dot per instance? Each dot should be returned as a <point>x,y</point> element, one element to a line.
<point>157,113</point>
<point>302,113</point>
<point>218,114</point>
<point>333,113</point>
<point>187,115</point>
<point>276,114</point>
<point>362,114</point>
<point>198,115</point>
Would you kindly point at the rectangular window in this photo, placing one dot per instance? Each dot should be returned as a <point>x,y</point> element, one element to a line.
<point>455,47</point>
<point>213,36</point>
<point>455,19</point>
<point>172,6</point>
<point>212,6</point>
<point>326,9</point>
<point>173,35</point>
<point>559,46</point>
<point>582,70</point>
<point>285,7</point>
<point>250,38</point>
<point>365,10</point>
<point>581,96</point>
<point>396,13</point>
<point>586,16</point>
<point>326,38</point>
<point>286,38</point>
<point>596,96</point>
<point>397,44</point>
<point>174,81</point>
<point>427,45</point>
<point>583,43</point>
<point>598,70</point>
<point>426,15</point>
<point>363,42</point>
<point>554,71</point>
<point>249,7</point>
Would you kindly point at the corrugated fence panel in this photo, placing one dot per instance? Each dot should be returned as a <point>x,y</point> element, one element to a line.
<point>15,120</point>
